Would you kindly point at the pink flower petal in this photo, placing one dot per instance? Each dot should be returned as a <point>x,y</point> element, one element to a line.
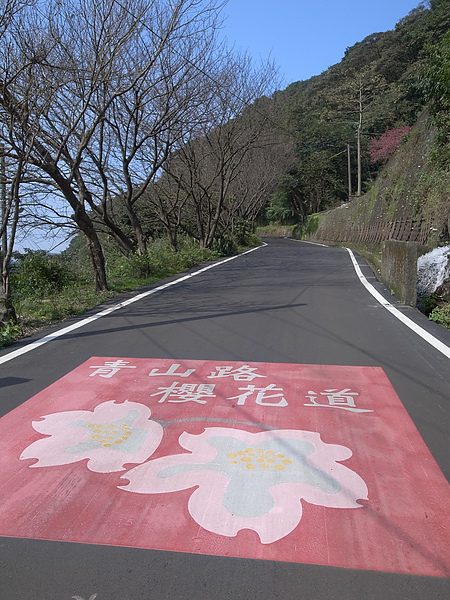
<point>269,501</point>
<point>132,438</point>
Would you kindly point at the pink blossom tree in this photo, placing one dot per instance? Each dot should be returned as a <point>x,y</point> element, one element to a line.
<point>382,148</point>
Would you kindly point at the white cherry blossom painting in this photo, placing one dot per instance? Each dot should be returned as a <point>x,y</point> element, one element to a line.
<point>315,464</point>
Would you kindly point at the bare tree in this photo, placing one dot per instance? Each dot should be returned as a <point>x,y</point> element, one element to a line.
<point>165,201</point>
<point>68,76</point>
<point>42,67</point>
<point>10,178</point>
<point>143,126</point>
<point>208,165</point>
<point>11,172</point>
<point>261,170</point>
<point>9,10</point>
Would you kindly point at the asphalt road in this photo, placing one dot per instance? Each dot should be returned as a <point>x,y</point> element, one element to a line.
<point>286,303</point>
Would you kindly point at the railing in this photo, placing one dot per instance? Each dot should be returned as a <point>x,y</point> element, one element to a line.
<point>406,230</point>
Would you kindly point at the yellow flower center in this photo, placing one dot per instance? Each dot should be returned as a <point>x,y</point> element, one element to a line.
<point>108,434</point>
<point>252,458</point>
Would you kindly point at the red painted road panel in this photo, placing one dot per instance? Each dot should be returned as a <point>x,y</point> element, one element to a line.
<point>301,463</point>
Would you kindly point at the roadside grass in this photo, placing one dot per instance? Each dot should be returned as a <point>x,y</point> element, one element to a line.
<point>441,315</point>
<point>46,290</point>
<point>275,230</point>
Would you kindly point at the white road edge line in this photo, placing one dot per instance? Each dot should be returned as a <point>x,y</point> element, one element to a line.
<point>428,337</point>
<point>110,309</point>
<point>306,242</point>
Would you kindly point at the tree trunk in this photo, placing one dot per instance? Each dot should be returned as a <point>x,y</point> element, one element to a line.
<point>98,263</point>
<point>7,312</point>
<point>137,228</point>
<point>84,222</point>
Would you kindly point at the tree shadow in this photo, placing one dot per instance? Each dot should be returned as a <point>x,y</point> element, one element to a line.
<point>8,381</point>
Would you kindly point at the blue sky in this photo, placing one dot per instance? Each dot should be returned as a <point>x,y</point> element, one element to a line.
<point>305,37</point>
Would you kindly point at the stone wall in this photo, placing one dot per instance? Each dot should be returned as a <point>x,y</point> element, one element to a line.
<point>399,269</point>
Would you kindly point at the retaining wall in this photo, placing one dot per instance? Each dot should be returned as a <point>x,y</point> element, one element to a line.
<point>399,269</point>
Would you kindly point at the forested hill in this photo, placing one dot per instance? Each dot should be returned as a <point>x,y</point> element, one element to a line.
<point>375,93</point>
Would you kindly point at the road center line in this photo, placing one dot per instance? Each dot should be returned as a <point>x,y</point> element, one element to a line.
<point>428,337</point>
<point>61,332</point>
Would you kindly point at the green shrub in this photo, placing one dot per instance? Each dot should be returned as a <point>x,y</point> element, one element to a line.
<point>135,266</point>
<point>37,274</point>
<point>243,233</point>
<point>224,245</point>
<point>276,231</point>
<point>308,228</point>
<point>10,333</point>
<point>441,315</point>
<point>427,303</point>
<point>158,262</point>
<point>253,240</point>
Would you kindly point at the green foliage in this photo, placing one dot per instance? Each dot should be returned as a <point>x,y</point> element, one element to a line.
<point>74,299</point>
<point>441,315</point>
<point>243,233</point>
<point>224,245</point>
<point>9,333</point>
<point>159,261</point>
<point>252,240</point>
<point>135,267</point>
<point>280,208</point>
<point>435,86</point>
<point>275,230</point>
<point>308,228</point>
<point>37,274</point>
<point>427,303</point>
<point>241,236</point>
<point>436,82</point>
<point>76,258</point>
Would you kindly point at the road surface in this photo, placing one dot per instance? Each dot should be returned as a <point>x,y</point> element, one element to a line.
<point>264,428</point>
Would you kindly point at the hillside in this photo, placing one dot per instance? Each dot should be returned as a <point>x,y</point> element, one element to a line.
<point>378,87</point>
<point>409,201</point>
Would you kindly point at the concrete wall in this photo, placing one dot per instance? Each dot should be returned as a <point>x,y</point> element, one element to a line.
<point>399,269</point>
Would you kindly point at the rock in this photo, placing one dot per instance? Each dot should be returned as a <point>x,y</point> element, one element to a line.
<point>443,291</point>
